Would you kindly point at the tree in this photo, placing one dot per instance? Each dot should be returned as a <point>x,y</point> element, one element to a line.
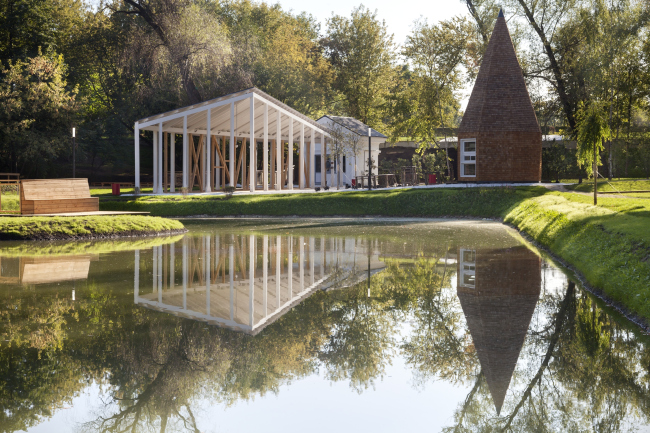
<point>593,130</point>
<point>361,52</point>
<point>37,115</point>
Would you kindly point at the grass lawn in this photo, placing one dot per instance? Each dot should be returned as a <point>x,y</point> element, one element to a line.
<point>609,244</point>
<point>50,228</point>
<point>613,185</point>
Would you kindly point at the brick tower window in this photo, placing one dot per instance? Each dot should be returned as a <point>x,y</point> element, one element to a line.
<point>468,157</point>
<point>467,277</point>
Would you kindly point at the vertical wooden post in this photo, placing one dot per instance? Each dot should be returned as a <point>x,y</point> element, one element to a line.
<point>207,161</point>
<point>312,160</point>
<point>323,161</point>
<point>186,154</point>
<point>273,163</point>
<point>136,139</point>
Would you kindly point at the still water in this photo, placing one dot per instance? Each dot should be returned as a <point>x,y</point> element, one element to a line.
<point>311,325</point>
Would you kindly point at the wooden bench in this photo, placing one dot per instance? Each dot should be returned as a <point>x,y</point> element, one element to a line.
<point>48,196</point>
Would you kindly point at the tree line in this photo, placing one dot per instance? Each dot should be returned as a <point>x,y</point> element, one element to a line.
<point>99,67</point>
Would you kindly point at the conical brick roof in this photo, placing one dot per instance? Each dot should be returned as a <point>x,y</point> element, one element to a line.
<point>499,100</point>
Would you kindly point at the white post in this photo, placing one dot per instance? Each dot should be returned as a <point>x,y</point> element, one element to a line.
<point>160,273</point>
<point>208,261</point>
<point>265,272</point>
<point>172,262</point>
<point>312,267</point>
<point>312,160</point>
<point>278,287</point>
<point>265,163</point>
<point>186,154</point>
<point>251,277</point>
<point>207,183</point>
<point>301,158</point>
<point>160,158</point>
<point>290,156</point>
<point>155,163</point>
<point>301,258</point>
<point>252,172</point>
<point>172,162</point>
<point>136,138</point>
<point>231,275</point>
<point>290,265</point>
<point>231,158</point>
<point>136,276</point>
<point>335,165</point>
<point>323,161</point>
<point>278,153</point>
<point>185,270</point>
<point>154,271</point>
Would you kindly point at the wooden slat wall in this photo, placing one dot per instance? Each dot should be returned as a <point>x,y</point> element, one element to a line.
<point>44,196</point>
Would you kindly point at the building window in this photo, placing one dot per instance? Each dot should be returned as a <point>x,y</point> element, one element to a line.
<point>468,157</point>
<point>467,277</point>
<point>343,163</point>
<point>317,170</point>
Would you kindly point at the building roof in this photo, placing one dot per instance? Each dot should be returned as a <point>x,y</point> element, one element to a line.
<point>354,125</point>
<point>499,101</point>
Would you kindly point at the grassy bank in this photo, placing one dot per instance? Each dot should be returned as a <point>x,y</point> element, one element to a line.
<point>613,185</point>
<point>95,227</point>
<point>609,244</point>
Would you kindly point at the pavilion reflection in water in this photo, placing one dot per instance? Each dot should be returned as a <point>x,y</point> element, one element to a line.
<point>247,282</point>
<point>45,269</point>
<point>498,290</point>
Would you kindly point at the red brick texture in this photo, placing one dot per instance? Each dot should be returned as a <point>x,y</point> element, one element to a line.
<point>500,116</point>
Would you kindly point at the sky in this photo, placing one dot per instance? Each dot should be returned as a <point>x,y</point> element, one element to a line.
<point>399,15</point>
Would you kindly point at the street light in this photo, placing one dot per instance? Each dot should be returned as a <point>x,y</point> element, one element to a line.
<point>74,154</point>
<point>369,159</point>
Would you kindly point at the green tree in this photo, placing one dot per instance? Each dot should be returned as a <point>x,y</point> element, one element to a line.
<point>362,54</point>
<point>593,130</point>
<point>37,115</point>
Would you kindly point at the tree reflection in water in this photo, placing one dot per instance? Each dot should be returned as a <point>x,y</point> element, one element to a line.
<point>476,312</point>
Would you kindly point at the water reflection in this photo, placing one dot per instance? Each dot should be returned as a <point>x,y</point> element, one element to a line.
<point>247,282</point>
<point>498,291</point>
<point>455,327</point>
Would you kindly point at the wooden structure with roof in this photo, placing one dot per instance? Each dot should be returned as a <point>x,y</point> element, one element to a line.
<point>499,136</point>
<point>245,139</point>
<point>498,290</point>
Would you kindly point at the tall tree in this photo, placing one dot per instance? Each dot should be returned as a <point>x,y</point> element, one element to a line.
<point>362,53</point>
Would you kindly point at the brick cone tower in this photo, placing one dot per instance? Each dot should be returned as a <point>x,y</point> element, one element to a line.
<point>498,306</point>
<point>499,137</point>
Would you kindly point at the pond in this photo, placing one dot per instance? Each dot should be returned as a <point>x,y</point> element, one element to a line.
<point>316,325</point>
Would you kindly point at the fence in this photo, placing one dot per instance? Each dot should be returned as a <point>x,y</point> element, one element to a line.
<point>9,193</point>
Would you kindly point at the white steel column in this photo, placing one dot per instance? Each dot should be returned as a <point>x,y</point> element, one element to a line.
<point>278,267</point>
<point>252,171</point>
<point>160,273</point>
<point>185,270</point>
<point>231,275</point>
<point>155,162</point>
<point>136,276</point>
<point>265,273</point>
<point>323,161</point>
<point>251,277</point>
<point>290,156</point>
<point>160,158</point>
<point>207,182</point>
<point>265,163</point>
<point>172,162</point>
<point>207,265</point>
<point>290,265</point>
<point>322,257</point>
<point>186,154</point>
<point>136,139</point>
<point>301,158</point>
<point>172,269</point>
<point>231,157</point>
<point>312,160</point>
<point>278,152</point>
<point>301,259</point>
<point>312,268</point>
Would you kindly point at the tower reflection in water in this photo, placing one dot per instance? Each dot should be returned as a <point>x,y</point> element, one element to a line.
<point>246,282</point>
<point>498,290</point>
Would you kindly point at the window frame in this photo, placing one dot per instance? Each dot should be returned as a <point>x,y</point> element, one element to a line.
<point>467,268</point>
<point>463,154</point>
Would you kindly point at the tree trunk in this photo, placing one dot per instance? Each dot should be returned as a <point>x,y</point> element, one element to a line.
<point>595,169</point>
<point>555,67</point>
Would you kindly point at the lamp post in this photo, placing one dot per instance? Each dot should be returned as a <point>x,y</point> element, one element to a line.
<point>74,151</point>
<point>369,159</point>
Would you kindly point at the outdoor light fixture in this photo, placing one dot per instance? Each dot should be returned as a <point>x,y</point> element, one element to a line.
<point>369,159</point>
<point>74,146</point>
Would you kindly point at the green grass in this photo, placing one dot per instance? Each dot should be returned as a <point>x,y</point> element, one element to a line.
<point>106,192</point>
<point>613,185</point>
<point>48,228</point>
<point>609,243</point>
